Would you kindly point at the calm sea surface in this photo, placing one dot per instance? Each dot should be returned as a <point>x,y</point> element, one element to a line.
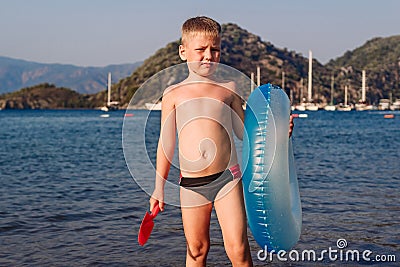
<point>67,197</point>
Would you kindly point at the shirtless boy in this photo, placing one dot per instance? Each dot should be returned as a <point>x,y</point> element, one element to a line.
<point>204,112</point>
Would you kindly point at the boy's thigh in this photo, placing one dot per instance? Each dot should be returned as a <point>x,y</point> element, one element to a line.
<point>195,218</point>
<point>231,213</point>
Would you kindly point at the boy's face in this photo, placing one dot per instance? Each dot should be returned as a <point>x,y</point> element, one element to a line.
<point>201,51</point>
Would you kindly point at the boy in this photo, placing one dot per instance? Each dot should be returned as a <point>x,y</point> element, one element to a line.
<point>204,112</point>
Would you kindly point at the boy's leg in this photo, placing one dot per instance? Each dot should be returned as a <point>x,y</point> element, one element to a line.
<point>196,225</point>
<point>231,213</point>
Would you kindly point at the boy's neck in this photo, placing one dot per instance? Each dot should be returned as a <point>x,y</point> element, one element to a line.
<point>193,77</point>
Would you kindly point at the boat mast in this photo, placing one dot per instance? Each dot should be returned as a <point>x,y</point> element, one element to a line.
<point>332,85</point>
<point>363,97</point>
<point>345,95</point>
<point>258,76</point>
<point>109,90</point>
<point>309,76</point>
<point>301,90</point>
<point>252,82</point>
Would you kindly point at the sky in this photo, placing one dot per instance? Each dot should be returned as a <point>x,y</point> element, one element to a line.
<point>104,32</point>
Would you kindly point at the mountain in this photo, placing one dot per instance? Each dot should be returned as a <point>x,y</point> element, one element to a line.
<point>380,58</point>
<point>16,74</point>
<point>241,50</point>
<point>245,51</point>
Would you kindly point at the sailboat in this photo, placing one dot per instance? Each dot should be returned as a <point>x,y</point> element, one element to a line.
<point>362,104</point>
<point>394,106</point>
<point>111,105</point>
<point>310,105</point>
<point>301,106</point>
<point>252,83</point>
<point>345,106</point>
<point>331,107</point>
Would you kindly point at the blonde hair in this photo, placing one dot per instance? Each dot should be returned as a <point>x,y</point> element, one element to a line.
<point>202,25</point>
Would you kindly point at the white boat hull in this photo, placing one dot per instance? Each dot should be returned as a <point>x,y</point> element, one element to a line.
<point>345,108</point>
<point>312,107</point>
<point>151,106</point>
<point>300,108</point>
<point>330,108</point>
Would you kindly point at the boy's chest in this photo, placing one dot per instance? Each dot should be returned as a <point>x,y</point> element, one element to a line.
<point>205,97</point>
<point>215,107</point>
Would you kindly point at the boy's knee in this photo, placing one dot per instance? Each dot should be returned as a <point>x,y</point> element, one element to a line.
<point>237,252</point>
<point>198,249</point>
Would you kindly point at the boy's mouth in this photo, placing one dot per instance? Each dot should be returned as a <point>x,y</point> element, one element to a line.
<point>206,64</point>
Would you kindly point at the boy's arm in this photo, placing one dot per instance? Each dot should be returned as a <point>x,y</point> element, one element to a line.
<point>165,150</point>
<point>237,116</point>
<point>291,125</point>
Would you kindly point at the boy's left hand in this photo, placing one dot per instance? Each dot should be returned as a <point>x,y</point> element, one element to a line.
<point>291,125</point>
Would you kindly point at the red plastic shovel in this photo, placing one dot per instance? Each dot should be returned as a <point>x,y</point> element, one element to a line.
<point>147,225</point>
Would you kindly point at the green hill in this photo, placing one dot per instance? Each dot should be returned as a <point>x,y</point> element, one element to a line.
<point>245,51</point>
<point>380,58</point>
<point>44,96</point>
<point>374,54</point>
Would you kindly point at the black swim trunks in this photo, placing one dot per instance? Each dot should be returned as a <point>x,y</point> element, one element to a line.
<point>209,186</point>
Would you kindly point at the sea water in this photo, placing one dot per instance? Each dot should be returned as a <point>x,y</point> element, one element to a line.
<point>67,197</point>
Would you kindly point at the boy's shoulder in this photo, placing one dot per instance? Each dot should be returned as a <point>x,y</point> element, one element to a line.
<point>170,90</point>
<point>227,84</point>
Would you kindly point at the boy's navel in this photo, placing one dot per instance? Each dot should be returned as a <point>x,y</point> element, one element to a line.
<point>207,148</point>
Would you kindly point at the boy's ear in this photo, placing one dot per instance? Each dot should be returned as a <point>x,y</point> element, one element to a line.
<point>182,52</point>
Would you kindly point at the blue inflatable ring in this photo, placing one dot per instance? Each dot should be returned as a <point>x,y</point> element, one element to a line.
<point>269,179</point>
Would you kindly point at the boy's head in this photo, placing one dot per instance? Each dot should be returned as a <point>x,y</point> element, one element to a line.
<point>201,44</point>
<point>200,25</point>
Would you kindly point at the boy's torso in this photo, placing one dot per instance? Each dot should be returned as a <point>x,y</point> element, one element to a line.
<point>204,126</point>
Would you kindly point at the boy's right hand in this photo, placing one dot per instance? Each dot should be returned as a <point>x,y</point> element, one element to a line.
<point>157,198</point>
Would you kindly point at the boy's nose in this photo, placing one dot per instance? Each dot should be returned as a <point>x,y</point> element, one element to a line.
<point>207,54</point>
